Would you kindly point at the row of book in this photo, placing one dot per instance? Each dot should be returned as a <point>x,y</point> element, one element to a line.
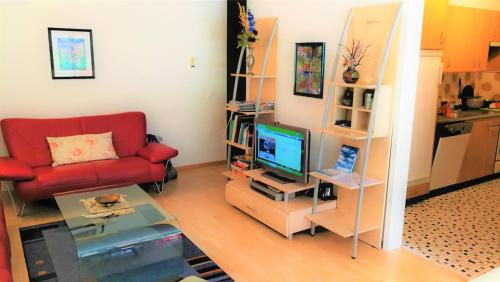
<point>241,129</point>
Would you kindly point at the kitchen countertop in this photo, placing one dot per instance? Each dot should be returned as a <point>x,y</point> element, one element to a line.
<point>468,115</point>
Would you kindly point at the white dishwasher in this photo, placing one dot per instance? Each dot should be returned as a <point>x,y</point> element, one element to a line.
<point>449,151</point>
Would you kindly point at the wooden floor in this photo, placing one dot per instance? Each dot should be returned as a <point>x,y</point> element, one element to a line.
<point>248,250</point>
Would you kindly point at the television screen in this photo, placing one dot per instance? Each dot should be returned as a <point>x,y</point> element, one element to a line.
<point>283,150</point>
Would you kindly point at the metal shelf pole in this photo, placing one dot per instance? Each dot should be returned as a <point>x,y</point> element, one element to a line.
<point>371,124</point>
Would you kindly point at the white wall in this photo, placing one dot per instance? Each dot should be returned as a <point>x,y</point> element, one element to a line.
<point>142,52</point>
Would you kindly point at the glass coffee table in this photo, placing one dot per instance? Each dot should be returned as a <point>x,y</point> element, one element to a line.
<point>146,244</point>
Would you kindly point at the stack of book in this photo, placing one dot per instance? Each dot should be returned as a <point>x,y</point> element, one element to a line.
<point>242,106</point>
<point>267,106</point>
<point>241,163</point>
<point>247,106</point>
<point>241,130</point>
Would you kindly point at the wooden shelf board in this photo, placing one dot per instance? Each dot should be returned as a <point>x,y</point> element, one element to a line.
<point>347,181</point>
<point>233,175</point>
<point>286,188</point>
<point>250,113</point>
<point>349,85</point>
<point>363,110</point>
<point>341,223</point>
<point>252,75</point>
<point>237,145</point>
<point>343,107</point>
<point>293,205</point>
<point>344,132</point>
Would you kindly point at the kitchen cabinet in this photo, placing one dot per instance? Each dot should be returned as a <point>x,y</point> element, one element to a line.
<point>433,24</point>
<point>495,32</point>
<point>481,151</point>
<point>467,32</point>
<point>455,43</point>
<point>482,37</point>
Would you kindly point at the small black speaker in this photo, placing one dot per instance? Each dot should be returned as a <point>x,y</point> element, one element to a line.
<point>326,192</point>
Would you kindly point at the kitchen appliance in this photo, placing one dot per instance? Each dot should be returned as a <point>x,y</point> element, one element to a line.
<point>475,102</point>
<point>424,122</point>
<point>450,145</point>
<point>465,94</point>
<point>493,63</point>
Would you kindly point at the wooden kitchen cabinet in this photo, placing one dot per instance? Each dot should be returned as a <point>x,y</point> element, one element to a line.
<point>433,24</point>
<point>455,42</point>
<point>480,155</point>
<point>467,32</point>
<point>483,37</point>
<point>495,32</point>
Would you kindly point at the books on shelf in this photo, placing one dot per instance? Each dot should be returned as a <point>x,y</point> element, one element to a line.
<point>248,106</point>
<point>345,162</point>
<point>241,162</point>
<point>241,130</point>
<point>347,158</point>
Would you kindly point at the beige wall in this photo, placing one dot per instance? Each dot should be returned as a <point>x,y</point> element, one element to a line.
<point>142,53</point>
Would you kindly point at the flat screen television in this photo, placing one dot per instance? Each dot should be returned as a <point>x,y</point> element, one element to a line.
<point>283,151</point>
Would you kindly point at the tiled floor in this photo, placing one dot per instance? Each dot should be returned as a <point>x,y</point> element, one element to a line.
<point>458,229</point>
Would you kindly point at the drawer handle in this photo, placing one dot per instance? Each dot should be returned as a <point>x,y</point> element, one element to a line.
<point>250,208</point>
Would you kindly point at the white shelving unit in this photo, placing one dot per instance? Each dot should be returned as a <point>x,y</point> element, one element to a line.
<point>261,85</point>
<point>359,211</point>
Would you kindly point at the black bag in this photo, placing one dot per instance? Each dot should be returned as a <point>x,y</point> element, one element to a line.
<point>170,169</point>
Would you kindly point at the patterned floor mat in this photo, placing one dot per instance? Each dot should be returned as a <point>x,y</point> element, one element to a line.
<point>458,229</point>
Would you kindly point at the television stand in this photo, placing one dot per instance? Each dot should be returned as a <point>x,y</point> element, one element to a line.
<point>277,178</point>
<point>287,216</point>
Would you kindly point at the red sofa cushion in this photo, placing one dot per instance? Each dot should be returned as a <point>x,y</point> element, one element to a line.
<point>12,169</point>
<point>50,180</point>
<point>156,152</point>
<point>128,170</point>
<point>26,138</point>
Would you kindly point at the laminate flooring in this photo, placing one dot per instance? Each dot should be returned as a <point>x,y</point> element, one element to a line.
<point>248,250</point>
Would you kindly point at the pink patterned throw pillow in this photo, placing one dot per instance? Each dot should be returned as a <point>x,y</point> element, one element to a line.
<point>81,148</point>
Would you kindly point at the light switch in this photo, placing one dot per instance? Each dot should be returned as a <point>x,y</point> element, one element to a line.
<point>192,62</point>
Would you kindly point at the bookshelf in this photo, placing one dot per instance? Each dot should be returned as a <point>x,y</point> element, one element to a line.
<point>261,89</point>
<point>351,120</point>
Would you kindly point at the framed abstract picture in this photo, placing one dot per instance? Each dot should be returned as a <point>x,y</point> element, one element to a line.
<point>309,69</point>
<point>71,53</point>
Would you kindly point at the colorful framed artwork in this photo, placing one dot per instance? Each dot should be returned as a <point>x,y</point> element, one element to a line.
<point>309,69</point>
<point>71,53</point>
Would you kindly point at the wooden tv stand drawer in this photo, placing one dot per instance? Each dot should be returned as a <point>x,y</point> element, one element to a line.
<point>285,218</point>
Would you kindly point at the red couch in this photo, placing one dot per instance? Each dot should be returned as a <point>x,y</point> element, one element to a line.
<point>29,164</point>
<point>5,271</point>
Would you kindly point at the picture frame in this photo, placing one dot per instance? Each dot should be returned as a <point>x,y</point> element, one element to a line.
<point>309,69</point>
<point>71,53</point>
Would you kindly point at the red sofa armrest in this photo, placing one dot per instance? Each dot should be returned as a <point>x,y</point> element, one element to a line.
<point>12,169</point>
<point>156,152</point>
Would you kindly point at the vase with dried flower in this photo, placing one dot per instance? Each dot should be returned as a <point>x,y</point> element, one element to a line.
<point>355,55</point>
<point>247,36</point>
